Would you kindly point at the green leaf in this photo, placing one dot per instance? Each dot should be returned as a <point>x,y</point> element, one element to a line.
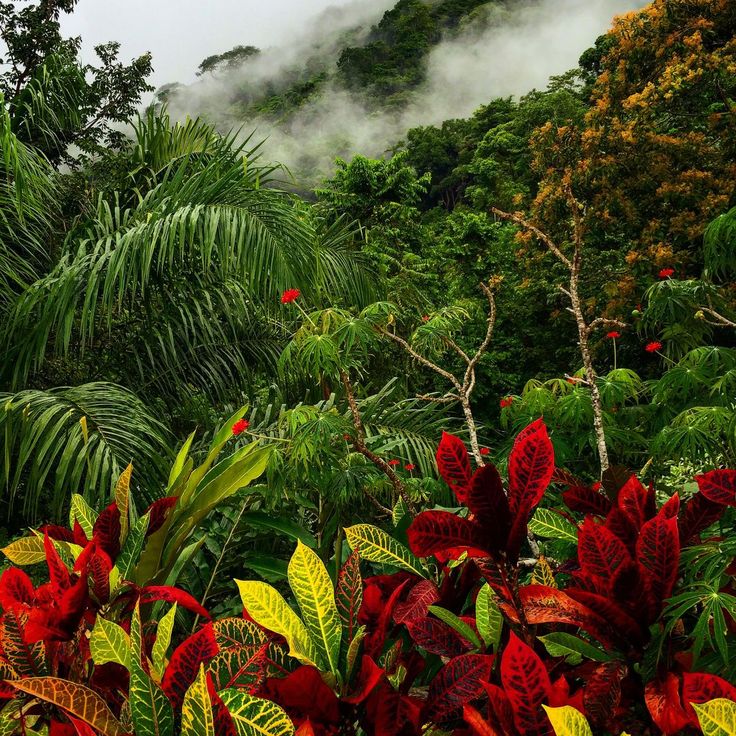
<point>267,566</point>
<point>374,545</point>
<point>196,710</point>
<point>281,524</point>
<point>551,525</point>
<point>131,551</point>
<point>488,617</point>
<point>163,640</point>
<point>457,624</point>
<point>717,717</point>
<point>267,607</point>
<point>109,643</point>
<point>255,716</point>
<point>149,707</point>
<point>312,587</point>
<point>573,648</point>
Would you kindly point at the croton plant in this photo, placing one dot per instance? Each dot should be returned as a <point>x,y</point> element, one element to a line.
<point>460,627</point>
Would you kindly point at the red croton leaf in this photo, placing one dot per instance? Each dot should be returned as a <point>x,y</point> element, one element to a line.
<point>99,568</point>
<point>106,531</point>
<point>184,663</point>
<point>16,589</point>
<point>478,725</point>
<point>501,712</point>
<point>417,603</point>
<point>436,532</point>
<point>658,552</point>
<point>586,500</point>
<point>527,685</point>
<point>152,593</point>
<point>531,465</point>
<point>392,713</point>
<point>304,696</point>
<point>636,501</point>
<point>665,706</point>
<point>374,641</point>
<point>453,463</point>
<point>437,637</point>
<point>602,692</point>
<point>600,552</point>
<point>487,500</point>
<point>718,486</point>
<point>349,594</point>
<point>619,621</point>
<point>59,578</point>
<point>700,687</point>
<point>369,677</point>
<point>700,513</point>
<point>456,684</point>
<point>224,725</point>
<point>59,618</point>
<point>159,512</point>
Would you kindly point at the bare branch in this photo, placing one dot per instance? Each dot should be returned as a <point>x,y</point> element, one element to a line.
<point>720,320</point>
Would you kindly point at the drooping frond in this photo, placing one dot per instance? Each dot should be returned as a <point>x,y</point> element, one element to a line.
<point>77,440</point>
<point>719,249</point>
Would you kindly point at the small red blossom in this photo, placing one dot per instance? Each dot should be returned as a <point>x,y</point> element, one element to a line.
<point>653,347</point>
<point>347,437</point>
<point>290,295</point>
<point>665,273</point>
<point>240,426</point>
<point>484,451</point>
<point>613,335</point>
<point>425,318</point>
<point>507,402</point>
<point>597,486</point>
<point>394,463</point>
<point>410,467</point>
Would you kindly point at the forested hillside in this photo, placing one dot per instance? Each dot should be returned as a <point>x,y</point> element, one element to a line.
<point>434,438</point>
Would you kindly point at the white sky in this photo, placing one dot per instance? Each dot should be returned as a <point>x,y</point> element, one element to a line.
<point>180,33</point>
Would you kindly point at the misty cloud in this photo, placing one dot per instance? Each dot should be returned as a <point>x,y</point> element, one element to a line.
<point>515,53</point>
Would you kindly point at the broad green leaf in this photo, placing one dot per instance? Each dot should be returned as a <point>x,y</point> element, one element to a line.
<point>542,574</point>
<point>196,710</point>
<point>717,717</point>
<point>267,566</point>
<point>353,650</point>
<point>488,617</point>
<point>76,699</point>
<point>312,587</point>
<point>551,525</point>
<point>374,545</point>
<point>281,524</point>
<point>266,606</point>
<point>131,551</point>
<point>25,551</point>
<point>109,643</point>
<point>180,460</point>
<point>150,708</point>
<point>457,624</point>
<point>122,500</point>
<point>573,648</point>
<point>255,716</point>
<point>163,640</point>
<point>568,721</point>
<point>82,512</point>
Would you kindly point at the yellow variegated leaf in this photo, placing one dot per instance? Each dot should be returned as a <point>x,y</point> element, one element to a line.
<point>568,721</point>
<point>163,639</point>
<point>25,551</point>
<point>266,606</point>
<point>81,512</point>
<point>315,595</point>
<point>717,717</point>
<point>196,711</point>
<point>488,617</point>
<point>122,500</point>
<point>353,650</point>
<point>374,545</point>
<point>254,716</point>
<point>543,575</point>
<point>109,643</point>
<point>78,700</point>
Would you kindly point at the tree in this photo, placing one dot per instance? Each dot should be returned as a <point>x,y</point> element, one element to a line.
<point>228,60</point>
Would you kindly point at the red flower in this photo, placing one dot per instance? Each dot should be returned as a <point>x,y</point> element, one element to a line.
<point>425,318</point>
<point>240,426</point>
<point>484,451</point>
<point>290,295</point>
<point>394,463</point>
<point>347,437</point>
<point>653,347</point>
<point>410,467</point>
<point>613,335</point>
<point>507,402</point>
<point>597,486</point>
<point>665,273</point>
